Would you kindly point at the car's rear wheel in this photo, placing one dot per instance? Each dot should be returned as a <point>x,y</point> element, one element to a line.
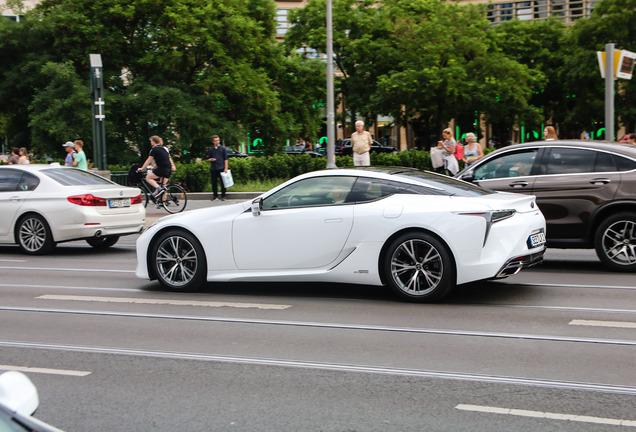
<point>178,261</point>
<point>102,242</point>
<point>615,242</point>
<point>34,235</point>
<point>418,267</point>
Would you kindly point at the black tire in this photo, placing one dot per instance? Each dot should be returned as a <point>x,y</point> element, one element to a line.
<point>102,242</point>
<point>178,261</point>
<point>33,235</point>
<point>419,268</point>
<point>145,197</point>
<point>615,242</point>
<point>174,199</point>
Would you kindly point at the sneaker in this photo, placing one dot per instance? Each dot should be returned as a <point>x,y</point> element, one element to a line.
<point>222,198</point>
<point>212,199</point>
<point>158,191</point>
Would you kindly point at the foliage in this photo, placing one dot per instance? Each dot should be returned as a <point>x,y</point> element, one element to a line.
<point>181,69</point>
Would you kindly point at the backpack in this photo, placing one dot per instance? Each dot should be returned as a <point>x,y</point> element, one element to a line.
<point>459,151</point>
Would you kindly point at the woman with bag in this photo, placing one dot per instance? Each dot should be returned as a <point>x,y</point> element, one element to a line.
<point>451,167</point>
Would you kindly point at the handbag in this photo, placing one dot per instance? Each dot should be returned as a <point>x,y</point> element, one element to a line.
<point>226,178</point>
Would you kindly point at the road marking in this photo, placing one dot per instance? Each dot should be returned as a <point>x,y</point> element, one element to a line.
<point>44,370</point>
<point>66,287</point>
<point>68,269</point>
<point>627,287</point>
<point>459,376</point>
<point>546,415</point>
<point>593,323</point>
<point>10,260</point>
<point>164,302</point>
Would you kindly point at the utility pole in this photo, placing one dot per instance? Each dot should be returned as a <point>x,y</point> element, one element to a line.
<point>331,123</point>
<point>609,92</point>
<point>99,117</point>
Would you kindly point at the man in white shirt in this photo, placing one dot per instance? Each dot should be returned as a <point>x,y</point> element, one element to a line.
<point>361,143</point>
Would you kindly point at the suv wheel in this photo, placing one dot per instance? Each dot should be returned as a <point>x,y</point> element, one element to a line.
<point>615,242</point>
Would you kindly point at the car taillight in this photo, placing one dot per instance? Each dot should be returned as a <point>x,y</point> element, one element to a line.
<point>136,200</point>
<point>87,200</point>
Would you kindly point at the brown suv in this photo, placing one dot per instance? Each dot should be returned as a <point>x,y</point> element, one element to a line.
<point>585,189</point>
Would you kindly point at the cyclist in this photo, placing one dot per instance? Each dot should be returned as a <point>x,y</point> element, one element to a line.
<point>163,164</point>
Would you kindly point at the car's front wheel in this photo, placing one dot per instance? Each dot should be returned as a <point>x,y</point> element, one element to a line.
<point>418,267</point>
<point>34,235</point>
<point>178,261</point>
<point>102,242</point>
<point>615,242</point>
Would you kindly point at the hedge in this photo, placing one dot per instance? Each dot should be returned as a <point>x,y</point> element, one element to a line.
<point>194,176</point>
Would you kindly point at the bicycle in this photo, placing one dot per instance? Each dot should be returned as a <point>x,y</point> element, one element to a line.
<point>172,197</point>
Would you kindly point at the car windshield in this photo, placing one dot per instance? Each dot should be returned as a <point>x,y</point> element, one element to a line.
<point>448,185</point>
<point>74,177</point>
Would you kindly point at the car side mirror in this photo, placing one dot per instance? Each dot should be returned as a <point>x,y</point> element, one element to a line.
<point>257,206</point>
<point>18,393</point>
<point>468,176</point>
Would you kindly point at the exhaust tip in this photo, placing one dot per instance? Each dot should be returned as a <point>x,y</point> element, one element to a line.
<point>98,233</point>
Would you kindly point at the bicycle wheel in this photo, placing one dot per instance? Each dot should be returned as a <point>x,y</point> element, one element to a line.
<point>145,197</point>
<point>174,199</point>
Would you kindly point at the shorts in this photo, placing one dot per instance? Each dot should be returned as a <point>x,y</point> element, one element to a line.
<point>162,172</point>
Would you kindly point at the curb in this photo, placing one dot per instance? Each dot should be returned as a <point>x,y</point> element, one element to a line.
<point>228,195</point>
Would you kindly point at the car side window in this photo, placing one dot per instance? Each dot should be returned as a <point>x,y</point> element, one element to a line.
<point>570,161</point>
<point>513,164</point>
<point>28,182</point>
<point>625,164</point>
<point>9,180</point>
<point>368,189</point>
<point>316,191</point>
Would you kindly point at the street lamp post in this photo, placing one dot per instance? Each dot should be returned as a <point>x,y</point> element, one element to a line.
<point>331,124</point>
<point>99,117</point>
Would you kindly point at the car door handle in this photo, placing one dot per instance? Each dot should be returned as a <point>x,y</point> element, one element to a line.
<point>600,181</point>
<point>15,198</point>
<point>518,184</point>
<point>334,220</point>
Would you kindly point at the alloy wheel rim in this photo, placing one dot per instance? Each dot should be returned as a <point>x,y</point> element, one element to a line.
<point>177,261</point>
<point>32,234</point>
<point>417,267</point>
<point>619,242</point>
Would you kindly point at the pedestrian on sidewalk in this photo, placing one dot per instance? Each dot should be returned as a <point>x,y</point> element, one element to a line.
<point>217,155</point>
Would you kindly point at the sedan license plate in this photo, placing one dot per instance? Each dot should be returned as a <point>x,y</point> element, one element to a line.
<point>119,203</point>
<point>537,239</point>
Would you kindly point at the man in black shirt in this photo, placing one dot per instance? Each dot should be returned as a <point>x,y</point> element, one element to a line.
<point>217,156</point>
<point>163,164</point>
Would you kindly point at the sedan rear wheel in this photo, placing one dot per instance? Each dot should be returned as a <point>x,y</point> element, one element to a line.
<point>615,242</point>
<point>34,235</point>
<point>418,267</point>
<point>178,261</point>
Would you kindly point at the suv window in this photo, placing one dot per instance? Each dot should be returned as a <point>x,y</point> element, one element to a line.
<point>576,161</point>
<point>513,164</point>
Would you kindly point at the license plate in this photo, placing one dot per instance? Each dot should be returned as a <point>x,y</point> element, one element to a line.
<point>537,239</point>
<point>118,203</point>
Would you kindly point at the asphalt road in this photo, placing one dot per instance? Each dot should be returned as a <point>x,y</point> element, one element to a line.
<point>550,349</point>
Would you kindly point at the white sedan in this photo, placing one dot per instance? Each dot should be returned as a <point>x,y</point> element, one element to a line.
<point>417,232</point>
<point>43,205</point>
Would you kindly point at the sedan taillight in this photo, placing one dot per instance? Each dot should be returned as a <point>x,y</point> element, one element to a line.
<point>87,200</point>
<point>136,200</point>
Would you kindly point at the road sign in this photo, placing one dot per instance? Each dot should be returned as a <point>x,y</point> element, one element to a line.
<point>623,63</point>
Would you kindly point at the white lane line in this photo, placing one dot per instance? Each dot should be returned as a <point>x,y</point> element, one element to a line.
<point>45,371</point>
<point>546,415</point>
<point>10,260</point>
<point>163,302</point>
<point>627,287</point>
<point>78,287</point>
<point>594,323</point>
<point>68,269</point>
<point>382,370</point>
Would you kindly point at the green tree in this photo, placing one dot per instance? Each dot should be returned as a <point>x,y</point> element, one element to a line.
<point>611,21</point>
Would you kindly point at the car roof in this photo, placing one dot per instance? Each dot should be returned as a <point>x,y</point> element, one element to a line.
<point>35,167</point>
<point>625,149</point>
